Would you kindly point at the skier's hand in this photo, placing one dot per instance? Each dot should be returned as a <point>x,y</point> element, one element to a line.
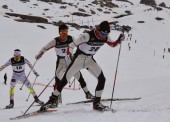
<point>37,57</point>
<point>36,74</point>
<point>71,57</point>
<point>67,59</point>
<point>1,68</point>
<point>121,37</point>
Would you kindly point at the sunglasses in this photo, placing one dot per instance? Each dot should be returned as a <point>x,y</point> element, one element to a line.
<point>64,31</point>
<point>103,33</point>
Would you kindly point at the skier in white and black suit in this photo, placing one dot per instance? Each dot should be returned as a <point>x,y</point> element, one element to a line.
<point>61,44</point>
<point>18,65</point>
<point>88,44</point>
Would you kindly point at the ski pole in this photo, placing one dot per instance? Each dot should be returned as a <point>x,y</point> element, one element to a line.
<point>115,75</point>
<point>123,29</point>
<point>32,87</point>
<point>72,82</point>
<point>39,95</point>
<point>28,74</point>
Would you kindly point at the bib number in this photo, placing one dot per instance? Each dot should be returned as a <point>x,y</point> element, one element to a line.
<point>63,50</point>
<point>94,49</point>
<point>19,67</point>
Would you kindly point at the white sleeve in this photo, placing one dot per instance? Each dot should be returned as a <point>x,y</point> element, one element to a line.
<point>81,39</point>
<point>109,39</point>
<point>50,45</point>
<point>29,64</point>
<point>6,64</point>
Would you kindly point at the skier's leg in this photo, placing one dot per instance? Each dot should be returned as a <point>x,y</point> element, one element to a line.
<point>12,90</point>
<point>61,66</point>
<point>83,84</point>
<point>59,72</point>
<point>73,68</point>
<point>98,73</point>
<point>30,88</point>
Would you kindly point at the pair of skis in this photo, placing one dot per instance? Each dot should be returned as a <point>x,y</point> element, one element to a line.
<point>35,113</point>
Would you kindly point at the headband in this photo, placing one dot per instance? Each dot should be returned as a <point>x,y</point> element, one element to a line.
<point>17,53</point>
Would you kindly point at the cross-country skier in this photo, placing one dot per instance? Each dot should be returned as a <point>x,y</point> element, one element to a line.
<point>18,65</point>
<point>88,44</point>
<point>60,44</point>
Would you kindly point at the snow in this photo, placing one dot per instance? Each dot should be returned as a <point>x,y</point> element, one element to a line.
<point>142,71</point>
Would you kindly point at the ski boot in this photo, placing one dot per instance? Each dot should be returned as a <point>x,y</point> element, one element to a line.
<point>89,95</point>
<point>38,101</point>
<point>11,105</point>
<point>99,106</point>
<point>50,104</point>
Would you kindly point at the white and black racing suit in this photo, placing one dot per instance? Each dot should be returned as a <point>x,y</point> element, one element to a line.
<point>88,44</point>
<point>63,60</point>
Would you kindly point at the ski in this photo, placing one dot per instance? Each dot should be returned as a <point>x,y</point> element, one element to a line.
<point>35,113</point>
<point>16,107</point>
<point>115,99</point>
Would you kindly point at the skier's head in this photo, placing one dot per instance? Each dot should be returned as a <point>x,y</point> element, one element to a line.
<point>63,27</point>
<point>17,54</point>
<point>63,31</point>
<point>104,28</point>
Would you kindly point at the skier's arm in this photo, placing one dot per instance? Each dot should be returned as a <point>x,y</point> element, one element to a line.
<point>112,43</point>
<point>30,65</point>
<point>81,39</point>
<point>47,47</point>
<point>5,65</point>
<point>118,41</point>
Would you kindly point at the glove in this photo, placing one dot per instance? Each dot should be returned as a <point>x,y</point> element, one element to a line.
<point>36,74</point>
<point>37,57</point>
<point>121,37</point>
<point>67,59</point>
<point>1,68</point>
<point>71,57</point>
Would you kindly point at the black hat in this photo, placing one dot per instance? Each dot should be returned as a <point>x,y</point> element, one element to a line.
<point>62,27</point>
<point>104,26</point>
<point>17,50</point>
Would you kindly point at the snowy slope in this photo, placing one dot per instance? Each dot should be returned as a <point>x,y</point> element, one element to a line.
<point>142,71</point>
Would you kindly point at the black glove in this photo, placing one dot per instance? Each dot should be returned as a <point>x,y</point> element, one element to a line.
<point>36,74</point>
<point>121,37</point>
